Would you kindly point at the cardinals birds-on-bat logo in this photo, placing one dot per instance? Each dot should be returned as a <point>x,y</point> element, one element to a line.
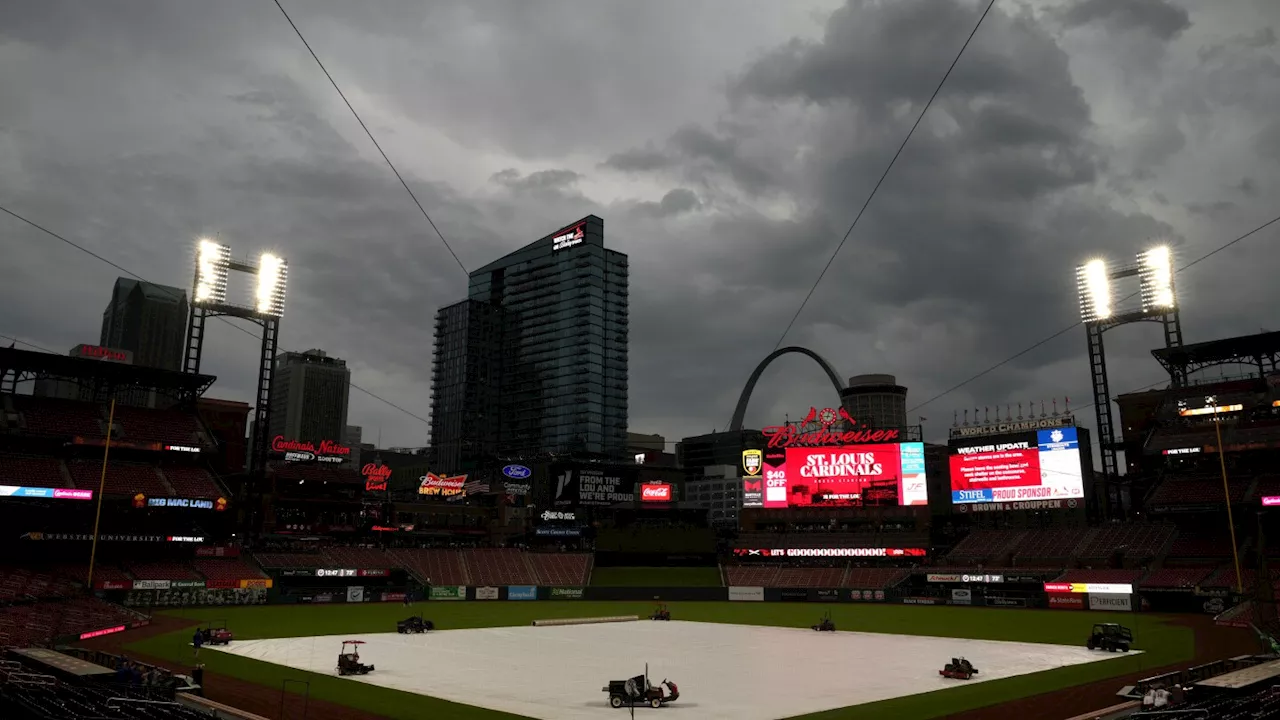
<point>828,417</point>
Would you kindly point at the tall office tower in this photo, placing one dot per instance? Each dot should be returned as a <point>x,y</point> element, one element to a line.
<point>309,397</point>
<point>535,360</point>
<point>148,320</point>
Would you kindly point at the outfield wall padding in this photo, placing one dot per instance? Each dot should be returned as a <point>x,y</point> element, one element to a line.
<point>586,621</point>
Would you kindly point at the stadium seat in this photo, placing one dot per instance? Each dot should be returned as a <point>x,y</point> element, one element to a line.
<point>29,471</point>
<point>59,418</point>
<point>274,560</point>
<point>1137,541</point>
<point>1103,575</point>
<point>440,567</point>
<point>122,478</point>
<point>1175,577</point>
<point>358,558</point>
<point>192,482</point>
<point>169,427</point>
<point>981,546</point>
<point>220,572</point>
<point>162,571</point>
<point>1050,545</point>
<point>21,584</point>
<point>560,568</point>
<point>498,567</point>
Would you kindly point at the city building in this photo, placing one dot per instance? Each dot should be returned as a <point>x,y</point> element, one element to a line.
<point>309,397</point>
<point>149,321</point>
<point>649,450</point>
<point>534,361</point>
<point>876,400</point>
<point>720,492</point>
<point>720,448</point>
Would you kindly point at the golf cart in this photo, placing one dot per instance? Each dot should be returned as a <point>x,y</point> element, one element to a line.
<point>349,662</point>
<point>639,691</point>
<point>414,624</point>
<point>958,669</point>
<point>1110,637</point>
<point>216,633</point>
<point>826,624</point>
<point>661,613</point>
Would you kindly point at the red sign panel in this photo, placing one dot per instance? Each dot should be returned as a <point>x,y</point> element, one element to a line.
<point>789,436</point>
<point>100,633</point>
<point>1065,601</point>
<point>852,475</point>
<point>375,477</point>
<point>655,493</point>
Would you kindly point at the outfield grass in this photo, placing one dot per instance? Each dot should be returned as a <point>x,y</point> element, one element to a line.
<point>1163,643</point>
<point>656,577</point>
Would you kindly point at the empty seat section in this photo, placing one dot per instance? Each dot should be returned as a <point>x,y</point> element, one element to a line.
<point>1104,575</point>
<point>163,571</point>
<point>122,478</point>
<point>560,568</point>
<point>752,575</point>
<point>440,567</point>
<point>192,482</point>
<point>498,567</point>
<point>875,578</point>
<point>102,572</point>
<point>1176,577</point>
<point>290,560</point>
<point>222,572</point>
<point>358,558</point>
<point>982,545</point>
<point>31,471</point>
<point>1048,545</point>
<point>22,583</point>
<point>809,577</point>
<point>1201,543</point>
<point>61,418</point>
<point>1137,541</point>
<point>170,427</point>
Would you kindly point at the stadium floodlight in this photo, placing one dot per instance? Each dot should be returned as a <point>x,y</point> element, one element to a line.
<point>1155,269</point>
<point>1094,286</point>
<point>213,261</point>
<point>273,275</point>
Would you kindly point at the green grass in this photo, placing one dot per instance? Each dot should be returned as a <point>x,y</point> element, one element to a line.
<point>1163,643</point>
<point>656,577</point>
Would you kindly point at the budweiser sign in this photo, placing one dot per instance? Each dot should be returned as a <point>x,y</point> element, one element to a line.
<point>432,484</point>
<point>851,433</point>
<point>655,493</point>
<point>375,477</point>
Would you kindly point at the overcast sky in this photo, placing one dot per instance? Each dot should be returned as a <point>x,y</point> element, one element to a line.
<point>727,144</point>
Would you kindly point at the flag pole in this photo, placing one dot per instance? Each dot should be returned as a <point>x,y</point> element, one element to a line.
<point>102,483</point>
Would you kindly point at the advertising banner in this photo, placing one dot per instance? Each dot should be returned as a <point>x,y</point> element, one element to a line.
<point>848,476</point>
<point>961,597</point>
<point>981,578</point>
<point>867,595</point>
<point>592,486</point>
<point>522,592</point>
<point>566,593</point>
<point>150,584</point>
<point>655,492</point>
<point>186,584</point>
<point>828,595</point>
<point>255,583</point>
<point>1044,465</point>
<point>1102,601</point>
<point>1104,588</point>
<point>941,578</point>
<point>746,594</point>
<point>393,597</point>
<point>355,594</point>
<point>829,552</point>
<point>1006,602</point>
<point>1066,601</point>
<point>486,593</point>
<point>920,601</point>
<point>194,597</point>
<point>794,594</point>
<point>448,592</point>
<point>217,551</point>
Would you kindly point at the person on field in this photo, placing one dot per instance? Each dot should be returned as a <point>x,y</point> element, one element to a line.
<point>196,641</point>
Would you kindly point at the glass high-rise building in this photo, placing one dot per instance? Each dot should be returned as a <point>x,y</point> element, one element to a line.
<point>535,360</point>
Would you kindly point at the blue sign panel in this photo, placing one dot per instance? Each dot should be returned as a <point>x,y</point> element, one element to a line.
<point>517,472</point>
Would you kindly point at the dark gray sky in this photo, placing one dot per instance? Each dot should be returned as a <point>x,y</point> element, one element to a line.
<point>727,144</point>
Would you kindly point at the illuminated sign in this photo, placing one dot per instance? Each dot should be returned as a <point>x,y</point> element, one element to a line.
<point>297,451</point>
<point>104,631</point>
<point>655,493</point>
<point>97,352</point>
<point>1183,451</point>
<point>182,448</point>
<point>193,503</point>
<point>185,538</point>
<point>1271,501</point>
<point>639,458</point>
<point>336,573</point>
<point>1105,588</point>
<point>786,436</point>
<point>829,552</point>
<point>443,485</point>
<point>1012,427</point>
<point>1213,410</point>
<point>1044,465</point>
<point>517,472</point>
<point>46,493</point>
<point>375,477</point>
<point>554,515</point>
<point>569,237</point>
<point>752,460</point>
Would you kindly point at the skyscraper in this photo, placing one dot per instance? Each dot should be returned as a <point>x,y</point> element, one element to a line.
<point>535,360</point>
<point>309,397</point>
<point>148,320</point>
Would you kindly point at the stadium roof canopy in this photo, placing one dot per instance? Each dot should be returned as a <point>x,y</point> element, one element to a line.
<point>1261,350</point>
<point>21,365</point>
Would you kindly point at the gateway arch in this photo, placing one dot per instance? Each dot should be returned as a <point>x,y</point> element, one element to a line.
<point>740,412</point>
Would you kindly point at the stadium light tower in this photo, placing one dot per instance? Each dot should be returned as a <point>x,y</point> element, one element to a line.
<point>1098,311</point>
<point>266,307</point>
